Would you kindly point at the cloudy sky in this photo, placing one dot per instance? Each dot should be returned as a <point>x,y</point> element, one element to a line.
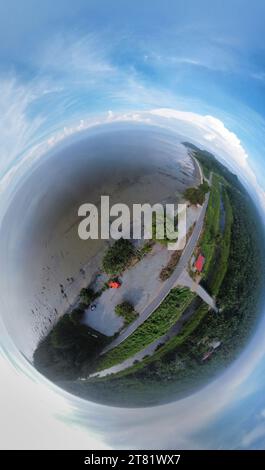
<point>194,65</point>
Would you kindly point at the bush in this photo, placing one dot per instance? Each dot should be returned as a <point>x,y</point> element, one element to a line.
<point>126,310</point>
<point>77,314</point>
<point>147,248</point>
<point>197,195</point>
<point>87,296</point>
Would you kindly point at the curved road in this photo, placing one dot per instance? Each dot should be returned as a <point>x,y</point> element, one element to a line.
<point>168,285</point>
<point>149,349</point>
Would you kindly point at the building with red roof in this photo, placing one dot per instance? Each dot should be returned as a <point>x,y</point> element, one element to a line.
<point>199,263</point>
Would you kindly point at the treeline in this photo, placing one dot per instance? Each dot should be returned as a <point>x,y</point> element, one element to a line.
<point>239,291</point>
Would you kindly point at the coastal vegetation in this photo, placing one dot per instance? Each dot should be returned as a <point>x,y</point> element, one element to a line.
<point>127,312</point>
<point>118,256</point>
<point>211,231</point>
<point>200,310</point>
<point>62,354</point>
<point>87,295</point>
<point>168,270</point>
<point>144,250</point>
<point>197,195</point>
<point>215,277</point>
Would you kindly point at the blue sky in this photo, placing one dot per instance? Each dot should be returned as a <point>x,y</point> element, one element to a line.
<point>204,56</point>
<point>65,62</point>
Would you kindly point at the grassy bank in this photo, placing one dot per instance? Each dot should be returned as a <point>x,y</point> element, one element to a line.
<point>210,233</point>
<point>161,320</point>
<point>220,259</point>
<point>188,328</point>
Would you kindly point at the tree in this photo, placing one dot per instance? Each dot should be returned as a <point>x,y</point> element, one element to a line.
<point>126,310</point>
<point>118,256</point>
<point>197,195</point>
<point>87,295</point>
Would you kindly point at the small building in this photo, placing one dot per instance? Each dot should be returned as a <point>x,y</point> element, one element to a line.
<point>207,355</point>
<point>215,344</point>
<point>199,263</point>
<point>114,284</point>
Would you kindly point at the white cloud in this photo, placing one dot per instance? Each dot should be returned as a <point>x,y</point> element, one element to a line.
<point>211,55</point>
<point>252,436</point>
<point>16,128</point>
<point>29,415</point>
<point>212,129</point>
<point>79,59</point>
<point>211,132</point>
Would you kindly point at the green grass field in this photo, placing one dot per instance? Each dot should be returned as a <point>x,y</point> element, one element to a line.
<point>154,327</point>
<point>211,225</point>
<point>221,256</point>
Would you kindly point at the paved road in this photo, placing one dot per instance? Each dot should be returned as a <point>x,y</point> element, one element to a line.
<point>168,285</point>
<point>186,281</point>
<point>149,349</point>
<point>197,167</point>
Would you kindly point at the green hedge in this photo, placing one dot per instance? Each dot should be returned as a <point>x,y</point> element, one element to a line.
<point>154,327</point>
